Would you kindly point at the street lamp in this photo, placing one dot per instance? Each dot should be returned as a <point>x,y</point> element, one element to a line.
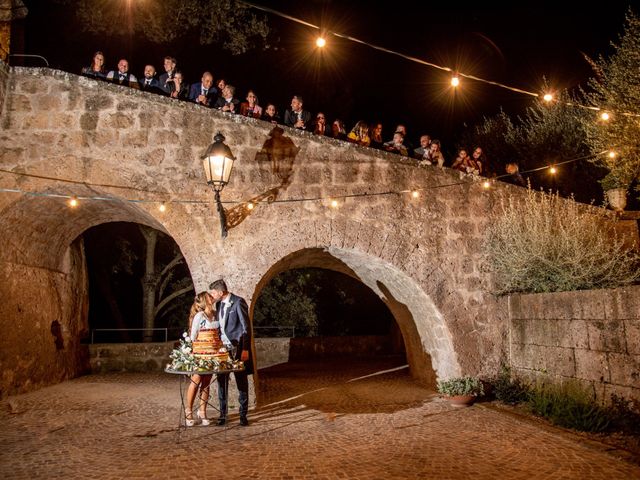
<point>218,162</point>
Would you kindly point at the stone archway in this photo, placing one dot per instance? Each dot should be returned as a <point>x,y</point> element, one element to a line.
<point>429,347</point>
<point>44,286</point>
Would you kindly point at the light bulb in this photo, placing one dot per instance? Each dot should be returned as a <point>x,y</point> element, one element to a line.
<point>486,184</point>
<point>604,116</point>
<point>320,42</point>
<point>334,204</point>
<point>73,202</point>
<point>553,170</point>
<point>547,97</point>
<point>415,194</point>
<point>612,154</point>
<point>162,207</point>
<point>455,81</point>
<point>250,206</point>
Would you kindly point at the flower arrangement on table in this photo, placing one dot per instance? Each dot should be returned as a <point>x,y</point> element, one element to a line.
<point>183,359</point>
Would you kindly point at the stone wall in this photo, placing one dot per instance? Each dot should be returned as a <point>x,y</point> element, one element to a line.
<point>592,336</point>
<point>423,257</point>
<point>41,338</point>
<point>4,80</point>
<point>360,346</point>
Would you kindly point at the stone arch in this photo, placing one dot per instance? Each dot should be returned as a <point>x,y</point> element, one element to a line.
<point>429,346</point>
<point>44,284</point>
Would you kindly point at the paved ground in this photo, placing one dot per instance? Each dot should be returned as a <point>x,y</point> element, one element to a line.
<point>312,423</point>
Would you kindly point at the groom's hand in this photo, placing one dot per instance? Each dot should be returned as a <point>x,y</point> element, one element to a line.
<point>244,356</point>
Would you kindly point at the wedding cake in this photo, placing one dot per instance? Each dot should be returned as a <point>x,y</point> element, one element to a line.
<point>209,346</point>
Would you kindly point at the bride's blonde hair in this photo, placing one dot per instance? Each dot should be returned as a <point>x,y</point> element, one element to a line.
<point>199,304</point>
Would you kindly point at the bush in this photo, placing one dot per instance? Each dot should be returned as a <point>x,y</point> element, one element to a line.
<point>461,386</point>
<point>508,389</point>
<point>546,243</point>
<point>569,406</point>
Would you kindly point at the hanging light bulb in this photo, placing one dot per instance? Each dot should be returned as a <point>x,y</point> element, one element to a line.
<point>553,170</point>
<point>612,154</point>
<point>334,204</point>
<point>455,81</point>
<point>162,207</point>
<point>547,97</point>
<point>73,202</point>
<point>321,42</point>
<point>605,116</point>
<point>415,194</point>
<point>486,184</point>
<point>250,206</point>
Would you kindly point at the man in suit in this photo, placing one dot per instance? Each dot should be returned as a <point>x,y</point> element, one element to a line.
<point>233,314</point>
<point>149,82</point>
<point>121,76</point>
<point>297,117</point>
<point>166,79</point>
<point>204,93</point>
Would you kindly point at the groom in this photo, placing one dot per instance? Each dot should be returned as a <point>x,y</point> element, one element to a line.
<point>233,314</point>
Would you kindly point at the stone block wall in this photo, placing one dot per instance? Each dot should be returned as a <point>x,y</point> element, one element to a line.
<point>592,336</point>
<point>4,79</point>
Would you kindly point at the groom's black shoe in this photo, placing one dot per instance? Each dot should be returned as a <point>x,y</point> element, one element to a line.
<point>221,421</point>
<point>244,422</point>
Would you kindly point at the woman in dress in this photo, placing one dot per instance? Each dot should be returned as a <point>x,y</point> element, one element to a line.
<point>250,108</point>
<point>96,69</point>
<point>376,136</point>
<point>202,316</point>
<point>337,130</point>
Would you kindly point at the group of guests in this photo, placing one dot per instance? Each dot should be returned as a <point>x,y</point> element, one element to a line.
<point>220,309</point>
<point>221,95</point>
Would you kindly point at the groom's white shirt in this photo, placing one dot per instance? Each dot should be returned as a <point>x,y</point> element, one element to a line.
<point>225,305</point>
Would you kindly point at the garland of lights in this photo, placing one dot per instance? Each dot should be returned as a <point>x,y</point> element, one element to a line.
<point>74,200</point>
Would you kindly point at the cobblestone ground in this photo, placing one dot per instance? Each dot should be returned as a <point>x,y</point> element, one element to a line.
<point>320,421</point>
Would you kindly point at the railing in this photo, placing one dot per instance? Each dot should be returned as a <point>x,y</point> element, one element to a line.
<point>275,331</point>
<point>178,331</point>
<point>26,55</point>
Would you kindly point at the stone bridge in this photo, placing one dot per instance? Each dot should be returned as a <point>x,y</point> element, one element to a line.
<point>422,256</point>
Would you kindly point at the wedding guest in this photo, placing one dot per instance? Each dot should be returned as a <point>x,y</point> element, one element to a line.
<point>235,331</point>
<point>181,88</point>
<point>203,92</point>
<point>121,76</point>
<point>435,154</point>
<point>338,130</point>
<point>227,102</point>
<point>149,82</point>
<point>465,164</point>
<point>96,69</point>
<point>297,117</point>
<point>250,108</point>
<point>360,134</point>
<point>271,114</point>
<point>166,79</point>
<point>423,152</point>
<point>320,127</point>
<point>375,135</point>
<point>202,316</point>
<point>396,145</point>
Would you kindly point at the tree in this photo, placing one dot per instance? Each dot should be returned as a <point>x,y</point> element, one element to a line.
<point>160,287</point>
<point>288,301</point>
<point>227,22</point>
<point>615,89</point>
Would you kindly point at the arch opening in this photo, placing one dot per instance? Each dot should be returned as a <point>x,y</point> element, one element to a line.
<point>429,348</point>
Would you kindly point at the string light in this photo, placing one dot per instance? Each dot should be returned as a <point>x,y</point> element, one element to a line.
<point>73,202</point>
<point>604,116</point>
<point>547,97</point>
<point>162,207</point>
<point>612,154</point>
<point>415,194</point>
<point>553,170</point>
<point>334,203</point>
<point>415,59</point>
<point>250,206</point>
<point>486,184</point>
<point>455,81</point>
<point>321,42</point>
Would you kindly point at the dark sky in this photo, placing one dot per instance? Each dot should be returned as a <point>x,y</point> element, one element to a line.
<point>517,44</point>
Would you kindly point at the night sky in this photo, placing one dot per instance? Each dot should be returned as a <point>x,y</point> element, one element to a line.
<point>516,45</point>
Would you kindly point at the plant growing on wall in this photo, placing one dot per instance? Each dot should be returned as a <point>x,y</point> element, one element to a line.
<point>545,243</point>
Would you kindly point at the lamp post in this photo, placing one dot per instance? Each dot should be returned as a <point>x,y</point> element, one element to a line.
<point>218,162</point>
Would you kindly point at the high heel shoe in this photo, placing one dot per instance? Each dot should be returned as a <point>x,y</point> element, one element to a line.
<point>188,418</point>
<point>205,422</point>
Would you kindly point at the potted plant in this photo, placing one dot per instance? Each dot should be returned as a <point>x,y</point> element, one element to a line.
<point>615,186</point>
<point>461,391</point>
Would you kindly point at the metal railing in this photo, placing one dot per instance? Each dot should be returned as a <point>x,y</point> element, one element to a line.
<point>27,55</point>
<point>166,331</point>
<point>275,331</point>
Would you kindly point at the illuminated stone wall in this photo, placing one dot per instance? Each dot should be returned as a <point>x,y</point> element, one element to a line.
<point>423,256</point>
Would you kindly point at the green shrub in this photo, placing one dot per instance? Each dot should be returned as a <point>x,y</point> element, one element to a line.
<point>570,406</point>
<point>508,389</point>
<point>545,243</point>
<point>626,414</point>
<point>461,386</point>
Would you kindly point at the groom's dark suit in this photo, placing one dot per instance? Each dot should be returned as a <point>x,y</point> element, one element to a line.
<point>234,322</point>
